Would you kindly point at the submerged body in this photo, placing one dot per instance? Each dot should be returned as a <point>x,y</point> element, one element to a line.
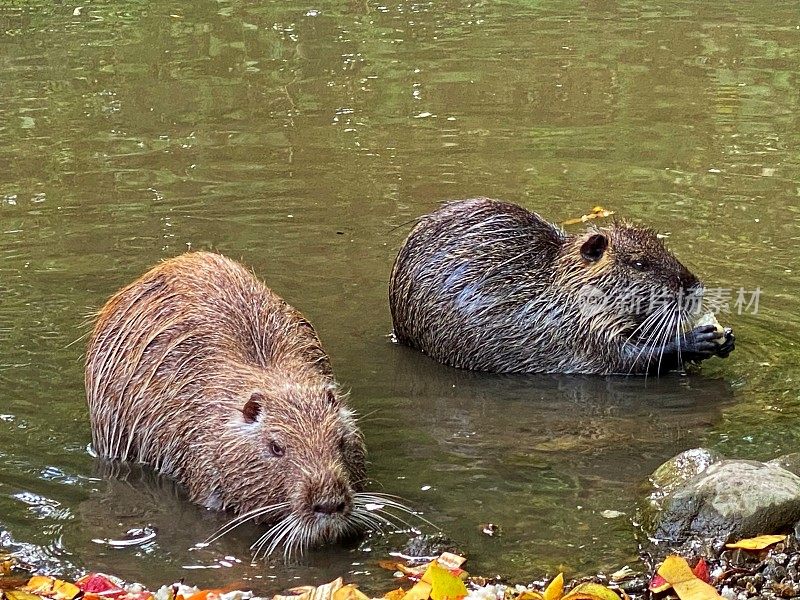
<point>202,372</point>
<point>488,285</point>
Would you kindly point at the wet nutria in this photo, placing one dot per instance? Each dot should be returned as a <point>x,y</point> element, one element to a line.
<point>202,372</point>
<point>488,285</point>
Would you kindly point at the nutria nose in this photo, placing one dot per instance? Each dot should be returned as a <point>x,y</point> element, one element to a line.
<point>329,507</point>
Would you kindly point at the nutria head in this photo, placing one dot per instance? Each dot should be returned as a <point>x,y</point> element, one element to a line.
<point>293,457</point>
<point>631,275</point>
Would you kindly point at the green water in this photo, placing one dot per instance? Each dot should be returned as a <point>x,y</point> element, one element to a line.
<point>301,138</point>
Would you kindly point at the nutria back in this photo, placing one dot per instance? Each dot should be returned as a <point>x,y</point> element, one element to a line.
<point>202,372</point>
<point>488,285</point>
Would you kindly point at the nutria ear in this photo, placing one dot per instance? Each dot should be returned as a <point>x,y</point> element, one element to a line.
<point>330,396</point>
<point>252,408</point>
<point>593,248</point>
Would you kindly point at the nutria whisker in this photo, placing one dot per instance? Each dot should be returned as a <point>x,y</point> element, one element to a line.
<point>240,519</point>
<point>391,501</point>
<point>651,335</point>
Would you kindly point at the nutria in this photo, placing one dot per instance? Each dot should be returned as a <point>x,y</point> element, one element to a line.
<point>200,371</point>
<point>488,285</point>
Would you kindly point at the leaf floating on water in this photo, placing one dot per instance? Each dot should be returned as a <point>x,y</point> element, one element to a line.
<point>757,543</point>
<point>598,212</point>
<point>676,572</point>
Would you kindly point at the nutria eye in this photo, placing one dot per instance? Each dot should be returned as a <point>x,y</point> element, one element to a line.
<point>277,450</point>
<point>639,265</point>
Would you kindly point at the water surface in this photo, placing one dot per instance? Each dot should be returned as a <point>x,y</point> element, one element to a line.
<point>302,138</point>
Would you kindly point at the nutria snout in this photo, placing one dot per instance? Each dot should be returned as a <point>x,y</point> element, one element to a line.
<point>202,372</point>
<point>488,285</point>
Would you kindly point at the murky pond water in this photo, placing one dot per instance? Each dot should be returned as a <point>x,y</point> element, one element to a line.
<point>302,137</point>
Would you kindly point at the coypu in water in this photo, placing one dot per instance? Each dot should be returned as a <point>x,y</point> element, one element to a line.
<point>488,285</point>
<point>202,372</point>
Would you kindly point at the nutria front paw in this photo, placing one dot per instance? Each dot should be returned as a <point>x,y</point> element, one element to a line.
<point>728,345</point>
<point>702,343</point>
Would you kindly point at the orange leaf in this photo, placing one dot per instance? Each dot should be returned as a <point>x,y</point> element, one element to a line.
<point>395,594</point>
<point>420,591</point>
<point>205,595</point>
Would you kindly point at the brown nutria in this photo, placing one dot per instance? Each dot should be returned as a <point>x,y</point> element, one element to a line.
<point>202,372</point>
<point>488,285</point>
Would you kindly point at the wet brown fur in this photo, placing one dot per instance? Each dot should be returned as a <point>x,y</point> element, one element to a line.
<point>488,285</point>
<point>201,371</point>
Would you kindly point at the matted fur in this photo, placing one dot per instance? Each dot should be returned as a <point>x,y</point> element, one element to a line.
<point>488,285</point>
<point>172,362</point>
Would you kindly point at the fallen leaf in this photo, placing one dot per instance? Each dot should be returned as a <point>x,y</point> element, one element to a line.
<point>420,591</point>
<point>598,212</point>
<point>676,571</point>
<point>624,573</point>
<point>20,595</point>
<point>206,595</point>
<point>529,595</point>
<point>6,564</point>
<point>701,570</point>
<point>395,594</point>
<point>410,572</point>
<point>52,588</point>
<point>554,589</point>
<point>309,592</point>
<point>757,543</point>
<point>658,584</point>
<point>349,592</point>
<point>451,561</point>
<point>591,591</point>
<point>102,585</point>
<point>444,584</point>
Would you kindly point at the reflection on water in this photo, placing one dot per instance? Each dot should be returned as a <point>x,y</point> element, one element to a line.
<point>302,139</point>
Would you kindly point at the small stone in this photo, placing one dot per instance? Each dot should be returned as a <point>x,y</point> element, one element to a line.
<point>728,593</point>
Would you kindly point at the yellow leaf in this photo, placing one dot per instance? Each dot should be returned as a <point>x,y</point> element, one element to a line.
<point>421,591</point>
<point>676,571</point>
<point>555,589</point>
<point>757,543</point>
<point>52,588</point>
<point>20,595</point>
<point>529,595</point>
<point>444,585</point>
<point>598,212</point>
<point>591,591</point>
<point>349,592</point>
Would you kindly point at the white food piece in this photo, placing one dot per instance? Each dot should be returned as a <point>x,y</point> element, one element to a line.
<point>709,318</point>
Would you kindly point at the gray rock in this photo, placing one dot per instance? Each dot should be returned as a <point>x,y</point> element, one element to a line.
<point>790,462</point>
<point>730,499</point>
<point>681,468</point>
